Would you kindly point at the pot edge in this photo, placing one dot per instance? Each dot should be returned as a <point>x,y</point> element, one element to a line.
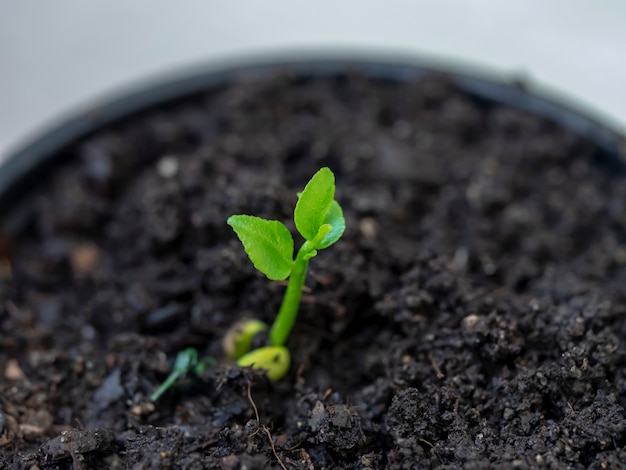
<point>29,161</point>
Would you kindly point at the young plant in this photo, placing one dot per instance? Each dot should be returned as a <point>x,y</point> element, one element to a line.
<point>270,247</point>
<point>187,363</point>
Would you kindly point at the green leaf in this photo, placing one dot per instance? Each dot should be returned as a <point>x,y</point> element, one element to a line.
<point>314,203</point>
<point>334,218</point>
<point>268,243</point>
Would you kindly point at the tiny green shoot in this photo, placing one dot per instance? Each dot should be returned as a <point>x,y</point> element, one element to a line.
<point>186,363</point>
<point>319,219</point>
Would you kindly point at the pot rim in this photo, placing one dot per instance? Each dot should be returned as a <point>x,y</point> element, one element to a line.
<point>24,165</point>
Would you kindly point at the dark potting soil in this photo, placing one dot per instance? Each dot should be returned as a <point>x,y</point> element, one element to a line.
<point>473,315</point>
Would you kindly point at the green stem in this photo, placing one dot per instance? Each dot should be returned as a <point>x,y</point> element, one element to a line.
<point>289,308</point>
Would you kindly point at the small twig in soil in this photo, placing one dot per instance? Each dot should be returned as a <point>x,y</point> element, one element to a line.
<point>265,428</point>
<point>426,442</point>
<point>269,436</point>
<point>256,411</point>
<point>440,375</point>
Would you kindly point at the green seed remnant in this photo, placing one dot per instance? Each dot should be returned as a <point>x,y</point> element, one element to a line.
<point>274,359</point>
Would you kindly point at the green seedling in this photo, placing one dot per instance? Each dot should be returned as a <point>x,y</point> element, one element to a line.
<point>186,363</point>
<point>270,247</point>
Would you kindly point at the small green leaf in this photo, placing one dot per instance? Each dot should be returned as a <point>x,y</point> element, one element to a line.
<point>334,218</point>
<point>314,203</point>
<point>268,243</point>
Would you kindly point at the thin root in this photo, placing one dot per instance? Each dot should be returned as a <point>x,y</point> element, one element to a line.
<point>265,428</point>
<point>256,411</point>
<point>269,436</point>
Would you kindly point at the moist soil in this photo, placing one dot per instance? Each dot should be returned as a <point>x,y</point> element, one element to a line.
<point>472,315</point>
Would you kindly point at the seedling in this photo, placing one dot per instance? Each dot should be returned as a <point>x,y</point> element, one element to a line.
<point>270,247</point>
<point>186,363</point>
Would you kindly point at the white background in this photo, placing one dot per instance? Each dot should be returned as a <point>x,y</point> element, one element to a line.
<point>59,55</point>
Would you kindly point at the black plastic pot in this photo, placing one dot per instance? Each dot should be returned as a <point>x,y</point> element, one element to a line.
<point>25,166</point>
<point>413,358</point>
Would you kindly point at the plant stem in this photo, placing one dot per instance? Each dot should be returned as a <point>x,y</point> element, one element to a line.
<point>289,308</point>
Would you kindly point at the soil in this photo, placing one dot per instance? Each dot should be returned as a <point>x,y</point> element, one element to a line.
<point>473,314</point>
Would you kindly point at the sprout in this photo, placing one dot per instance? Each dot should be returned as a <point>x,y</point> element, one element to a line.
<point>187,362</point>
<point>270,247</point>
